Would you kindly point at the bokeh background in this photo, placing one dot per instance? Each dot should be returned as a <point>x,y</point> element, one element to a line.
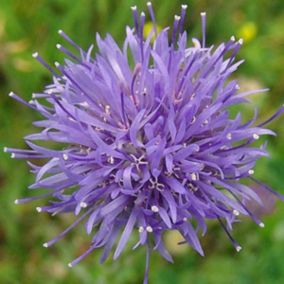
<point>31,25</point>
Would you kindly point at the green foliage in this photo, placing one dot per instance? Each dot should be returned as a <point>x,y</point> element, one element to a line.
<point>31,25</point>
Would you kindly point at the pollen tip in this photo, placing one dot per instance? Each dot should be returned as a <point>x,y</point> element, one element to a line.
<point>134,8</point>
<point>34,96</point>
<point>57,64</point>
<point>261,225</point>
<point>184,6</point>
<point>11,94</point>
<point>241,41</point>
<point>236,212</point>
<point>140,229</point>
<point>38,209</point>
<point>60,31</point>
<point>70,265</point>
<point>83,204</point>
<point>233,38</point>
<point>142,14</point>
<point>65,157</point>
<point>155,208</point>
<point>5,149</point>
<point>149,3</point>
<point>238,248</point>
<point>16,201</point>
<point>251,172</point>
<point>203,14</point>
<point>255,136</point>
<point>149,229</point>
<point>35,55</point>
<point>58,45</point>
<point>13,155</point>
<point>45,245</point>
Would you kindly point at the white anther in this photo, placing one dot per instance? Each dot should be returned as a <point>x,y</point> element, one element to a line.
<point>205,122</point>
<point>45,245</point>
<point>13,155</point>
<point>238,248</point>
<point>255,136</point>
<point>57,64</point>
<point>203,14</point>
<point>149,3</point>
<point>237,87</point>
<point>193,176</point>
<point>58,45</point>
<point>31,102</point>
<point>236,212</point>
<point>261,225</point>
<point>11,94</point>
<point>110,160</point>
<point>60,32</point>
<point>35,55</point>
<point>251,172</point>
<point>241,41</point>
<point>184,6</point>
<point>134,8</point>
<point>5,149</point>
<point>142,14</point>
<point>16,201</point>
<point>70,265</point>
<point>177,18</point>
<point>140,229</point>
<point>184,219</point>
<point>149,229</point>
<point>229,136</point>
<point>38,209</point>
<point>65,156</point>
<point>83,204</point>
<point>155,208</point>
<point>233,38</point>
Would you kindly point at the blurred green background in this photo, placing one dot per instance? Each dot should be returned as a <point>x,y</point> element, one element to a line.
<point>31,25</point>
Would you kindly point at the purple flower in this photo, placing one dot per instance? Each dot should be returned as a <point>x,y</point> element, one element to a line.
<point>145,139</point>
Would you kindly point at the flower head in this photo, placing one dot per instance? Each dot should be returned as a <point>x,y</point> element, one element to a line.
<point>145,139</point>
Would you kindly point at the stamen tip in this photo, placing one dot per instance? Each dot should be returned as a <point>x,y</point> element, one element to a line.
<point>233,38</point>
<point>57,64</point>
<point>241,41</point>
<point>58,45</point>
<point>5,149</point>
<point>134,8</point>
<point>261,225</point>
<point>45,245</point>
<point>38,209</point>
<point>16,201</point>
<point>11,94</point>
<point>177,17</point>
<point>35,55</point>
<point>83,204</point>
<point>203,14</point>
<point>70,265</point>
<point>149,3</point>
<point>13,155</point>
<point>238,248</point>
<point>60,32</point>
<point>184,6</point>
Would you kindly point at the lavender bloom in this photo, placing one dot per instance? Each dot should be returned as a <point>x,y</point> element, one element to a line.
<point>146,141</point>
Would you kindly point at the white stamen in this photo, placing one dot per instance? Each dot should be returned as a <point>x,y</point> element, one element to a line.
<point>184,219</point>
<point>237,87</point>
<point>57,64</point>
<point>233,38</point>
<point>142,14</point>
<point>184,6</point>
<point>65,156</point>
<point>205,122</point>
<point>38,209</point>
<point>16,201</point>
<point>45,245</point>
<point>177,18</point>
<point>110,160</point>
<point>58,45</point>
<point>149,3</point>
<point>134,8</point>
<point>236,212</point>
<point>13,155</point>
<point>35,55</point>
<point>155,208</point>
<point>11,94</point>
<point>149,229</point>
<point>229,136</point>
<point>238,248</point>
<point>261,225</point>
<point>140,229</point>
<point>83,204</point>
<point>5,149</point>
<point>70,265</point>
<point>31,102</point>
<point>255,136</point>
<point>60,32</point>
<point>203,14</point>
<point>251,172</point>
<point>193,176</point>
<point>241,41</point>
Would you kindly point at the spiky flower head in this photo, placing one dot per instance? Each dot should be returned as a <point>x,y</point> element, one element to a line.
<point>145,139</point>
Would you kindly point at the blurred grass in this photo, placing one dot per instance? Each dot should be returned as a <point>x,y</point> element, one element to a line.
<point>31,25</point>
